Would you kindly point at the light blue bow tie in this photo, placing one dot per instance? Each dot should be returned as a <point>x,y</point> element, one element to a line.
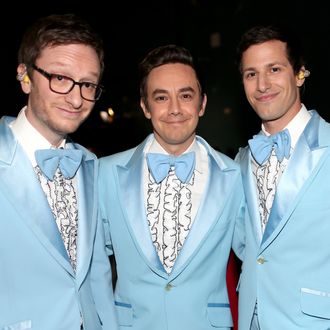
<point>160,164</point>
<point>67,160</point>
<point>261,146</point>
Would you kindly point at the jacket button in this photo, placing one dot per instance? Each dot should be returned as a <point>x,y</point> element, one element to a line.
<point>168,286</point>
<point>261,260</point>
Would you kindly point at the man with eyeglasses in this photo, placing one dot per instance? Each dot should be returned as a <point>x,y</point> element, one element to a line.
<point>54,272</point>
<point>61,84</point>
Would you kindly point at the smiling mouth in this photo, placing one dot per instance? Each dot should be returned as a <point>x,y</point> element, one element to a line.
<point>70,112</point>
<point>176,121</point>
<point>265,98</point>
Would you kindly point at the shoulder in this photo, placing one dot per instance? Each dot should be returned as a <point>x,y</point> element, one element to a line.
<point>242,152</point>
<point>223,161</point>
<point>122,158</point>
<point>317,128</point>
<point>6,120</point>
<point>119,158</point>
<point>226,159</point>
<point>87,154</point>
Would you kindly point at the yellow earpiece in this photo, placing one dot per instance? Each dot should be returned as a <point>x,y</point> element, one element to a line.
<point>303,74</point>
<point>23,77</point>
<point>26,79</point>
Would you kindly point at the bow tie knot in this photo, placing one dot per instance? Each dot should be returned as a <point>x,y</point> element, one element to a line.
<point>160,164</point>
<point>261,146</point>
<point>67,160</point>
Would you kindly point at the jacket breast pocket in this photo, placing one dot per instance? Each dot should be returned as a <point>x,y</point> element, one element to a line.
<point>315,302</point>
<point>219,315</point>
<point>124,313</point>
<point>24,325</point>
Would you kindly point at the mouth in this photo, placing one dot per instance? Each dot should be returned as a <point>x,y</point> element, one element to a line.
<point>175,121</point>
<point>266,98</point>
<point>69,112</point>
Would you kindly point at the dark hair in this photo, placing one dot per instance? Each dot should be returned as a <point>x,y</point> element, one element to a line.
<point>57,30</point>
<point>164,55</point>
<point>260,34</point>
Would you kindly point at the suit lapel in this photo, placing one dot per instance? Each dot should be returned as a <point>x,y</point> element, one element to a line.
<point>130,183</point>
<point>23,189</point>
<point>309,154</point>
<point>250,191</point>
<point>213,203</point>
<point>86,215</point>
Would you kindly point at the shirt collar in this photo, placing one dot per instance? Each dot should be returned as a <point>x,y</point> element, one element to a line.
<point>28,137</point>
<point>296,125</point>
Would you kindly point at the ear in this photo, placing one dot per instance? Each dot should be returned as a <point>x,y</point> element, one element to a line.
<point>202,106</point>
<point>23,78</point>
<point>145,109</point>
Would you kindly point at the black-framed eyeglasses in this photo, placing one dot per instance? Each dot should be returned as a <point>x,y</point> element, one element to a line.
<point>61,84</point>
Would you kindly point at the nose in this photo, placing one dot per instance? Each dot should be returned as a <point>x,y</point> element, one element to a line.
<point>74,97</point>
<point>263,82</point>
<point>174,107</point>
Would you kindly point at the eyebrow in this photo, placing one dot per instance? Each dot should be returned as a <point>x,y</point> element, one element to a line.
<point>58,69</point>
<point>269,65</point>
<point>181,90</point>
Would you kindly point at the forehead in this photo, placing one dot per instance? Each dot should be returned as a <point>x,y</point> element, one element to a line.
<point>172,75</point>
<point>266,53</point>
<point>80,56</point>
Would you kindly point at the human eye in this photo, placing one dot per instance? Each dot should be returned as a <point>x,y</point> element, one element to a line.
<point>186,96</point>
<point>160,98</point>
<point>275,69</point>
<point>249,75</point>
<point>59,78</point>
<point>89,85</point>
<point>60,83</point>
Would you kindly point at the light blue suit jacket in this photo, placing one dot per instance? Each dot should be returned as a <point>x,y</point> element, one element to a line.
<point>288,269</point>
<point>194,295</point>
<point>38,287</point>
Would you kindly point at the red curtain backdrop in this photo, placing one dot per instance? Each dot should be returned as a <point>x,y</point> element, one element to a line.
<point>233,271</point>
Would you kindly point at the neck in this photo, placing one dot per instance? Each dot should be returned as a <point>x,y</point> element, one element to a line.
<point>277,125</point>
<point>176,149</point>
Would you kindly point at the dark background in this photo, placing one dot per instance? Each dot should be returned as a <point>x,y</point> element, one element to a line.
<point>210,29</point>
